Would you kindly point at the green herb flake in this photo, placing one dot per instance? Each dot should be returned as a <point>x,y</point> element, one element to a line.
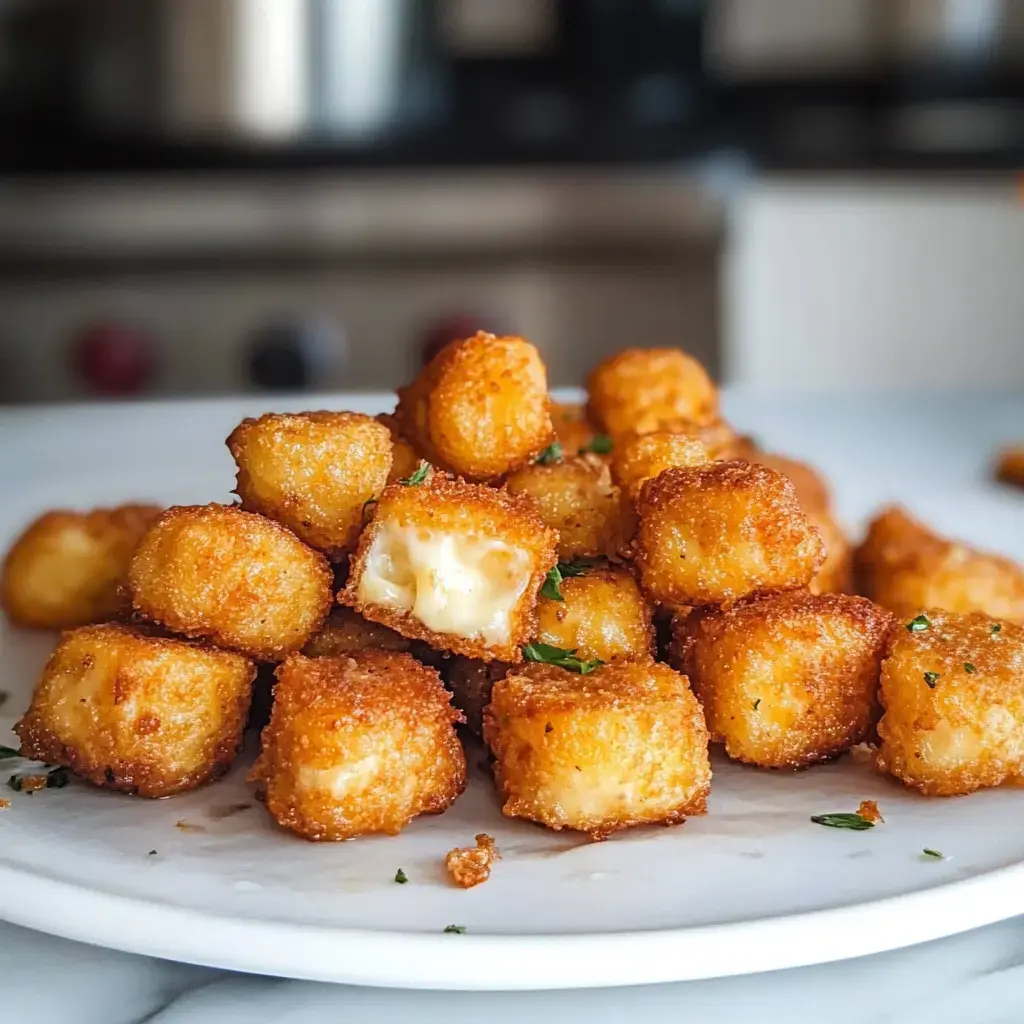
<point>552,582</point>
<point>918,625</point>
<point>854,822</point>
<point>599,444</point>
<point>969,667</point>
<point>454,929</point>
<point>8,752</point>
<point>577,567</point>
<point>552,454</point>
<point>996,627</point>
<point>152,853</point>
<point>417,477</point>
<point>933,854</point>
<point>757,703</point>
<point>560,657</point>
<point>401,877</point>
<point>931,678</point>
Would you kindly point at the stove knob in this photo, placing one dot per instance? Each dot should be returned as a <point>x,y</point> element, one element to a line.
<point>114,359</point>
<point>293,355</point>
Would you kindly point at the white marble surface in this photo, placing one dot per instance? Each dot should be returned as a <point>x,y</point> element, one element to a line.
<point>974,978</point>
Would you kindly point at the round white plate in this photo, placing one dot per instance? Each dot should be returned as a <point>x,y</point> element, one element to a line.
<point>752,886</point>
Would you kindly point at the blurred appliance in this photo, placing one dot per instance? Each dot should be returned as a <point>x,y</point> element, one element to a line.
<point>171,285</point>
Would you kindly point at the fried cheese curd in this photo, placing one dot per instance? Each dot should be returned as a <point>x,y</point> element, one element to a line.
<point>346,632</point>
<point>471,681</point>
<point>643,389</point>
<point>638,458</point>
<point>312,472</point>
<point>602,615</point>
<point>233,577</point>
<point>576,497</point>
<point>952,690</point>
<point>625,745</point>
<point>405,459</point>
<point>455,564</point>
<point>812,489</point>
<point>714,534</point>
<point>836,573</point>
<point>136,712</point>
<point>906,567</point>
<point>480,407</point>
<point>68,568</point>
<point>357,744</point>
<point>572,428</point>
<point>786,681</point>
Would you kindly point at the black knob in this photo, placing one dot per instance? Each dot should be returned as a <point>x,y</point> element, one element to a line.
<point>294,355</point>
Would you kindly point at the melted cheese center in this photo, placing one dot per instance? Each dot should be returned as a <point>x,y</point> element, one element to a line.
<point>464,586</point>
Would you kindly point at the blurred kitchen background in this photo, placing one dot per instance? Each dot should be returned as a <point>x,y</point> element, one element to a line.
<point>215,196</point>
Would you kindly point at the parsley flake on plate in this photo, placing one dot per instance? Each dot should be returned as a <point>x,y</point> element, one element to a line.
<point>454,929</point>
<point>933,854</point>
<point>548,654</point>
<point>854,822</point>
<point>401,877</point>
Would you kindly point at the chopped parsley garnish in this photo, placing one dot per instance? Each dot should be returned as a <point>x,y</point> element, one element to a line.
<point>560,657</point>
<point>757,703</point>
<point>996,627</point>
<point>577,567</point>
<point>455,929</point>
<point>553,453</point>
<point>968,667</point>
<point>152,853</point>
<point>931,678</point>
<point>417,477</point>
<point>934,854</point>
<point>918,625</point>
<point>401,877</point>
<point>562,571</point>
<point>599,444</point>
<point>854,822</point>
<point>6,752</point>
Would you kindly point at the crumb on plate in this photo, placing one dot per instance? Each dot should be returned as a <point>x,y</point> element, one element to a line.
<point>869,811</point>
<point>471,865</point>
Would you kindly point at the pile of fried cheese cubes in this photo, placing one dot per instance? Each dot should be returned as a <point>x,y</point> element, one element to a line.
<point>599,592</point>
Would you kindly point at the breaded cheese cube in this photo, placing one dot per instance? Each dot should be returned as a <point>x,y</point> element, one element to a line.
<point>346,632</point>
<point>576,497</point>
<point>136,712</point>
<point>790,680</point>
<point>405,460</point>
<point>953,698</point>
<point>812,489</point>
<point>717,533</point>
<point>313,472</point>
<point>638,458</point>
<point>601,615</point>
<point>573,430</point>
<point>471,681</point>
<point>68,568</point>
<point>643,389</point>
<point>232,577</point>
<point>479,407</point>
<point>457,565</point>
<point>623,746</point>
<point>906,567</point>
<point>836,573</point>
<point>359,743</point>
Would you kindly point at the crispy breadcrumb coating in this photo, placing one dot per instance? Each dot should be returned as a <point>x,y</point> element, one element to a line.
<point>346,632</point>
<point>641,457</point>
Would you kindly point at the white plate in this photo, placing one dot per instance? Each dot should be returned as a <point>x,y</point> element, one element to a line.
<point>752,886</point>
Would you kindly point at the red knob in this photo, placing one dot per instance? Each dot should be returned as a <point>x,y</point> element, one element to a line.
<point>114,358</point>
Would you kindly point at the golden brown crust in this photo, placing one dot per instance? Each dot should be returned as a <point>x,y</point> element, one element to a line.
<point>68,569</point>
<point>642,389</point>
<point>718,533</point>
<point>577,498</point>
<point>623,746</point>
<point>573,430</point>
<point>443,506</point>
<point>836,573</point>
<point>359,744</point>
<point>404,458</point>
<point>905,567</point>
<point>480,407</point>
<point>346,632</point>
<point>312,472</point>
<point>602,615</point>
<point>233,577</point>
<point>812,490</point>
<point>136,712</point>
<point>786,681</point>
<point>638,458</point>
<point>953,699</point>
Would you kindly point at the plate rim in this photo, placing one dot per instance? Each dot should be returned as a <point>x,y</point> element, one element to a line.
<point>490,962</point>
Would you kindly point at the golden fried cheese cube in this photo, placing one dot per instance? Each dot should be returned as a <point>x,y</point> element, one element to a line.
<point>457,565</point>
<point>641,457</point>
<point>786,681</point>
<point>480,407</point>
<point>233,577</point>
<point>346,632</point>
<point>357,744</point>
<point>141,713</point>
<point>714,534</point>
<point>405,460</point>
<point>625,745</point>
<point>953,697</point>
<point>68,568</point>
